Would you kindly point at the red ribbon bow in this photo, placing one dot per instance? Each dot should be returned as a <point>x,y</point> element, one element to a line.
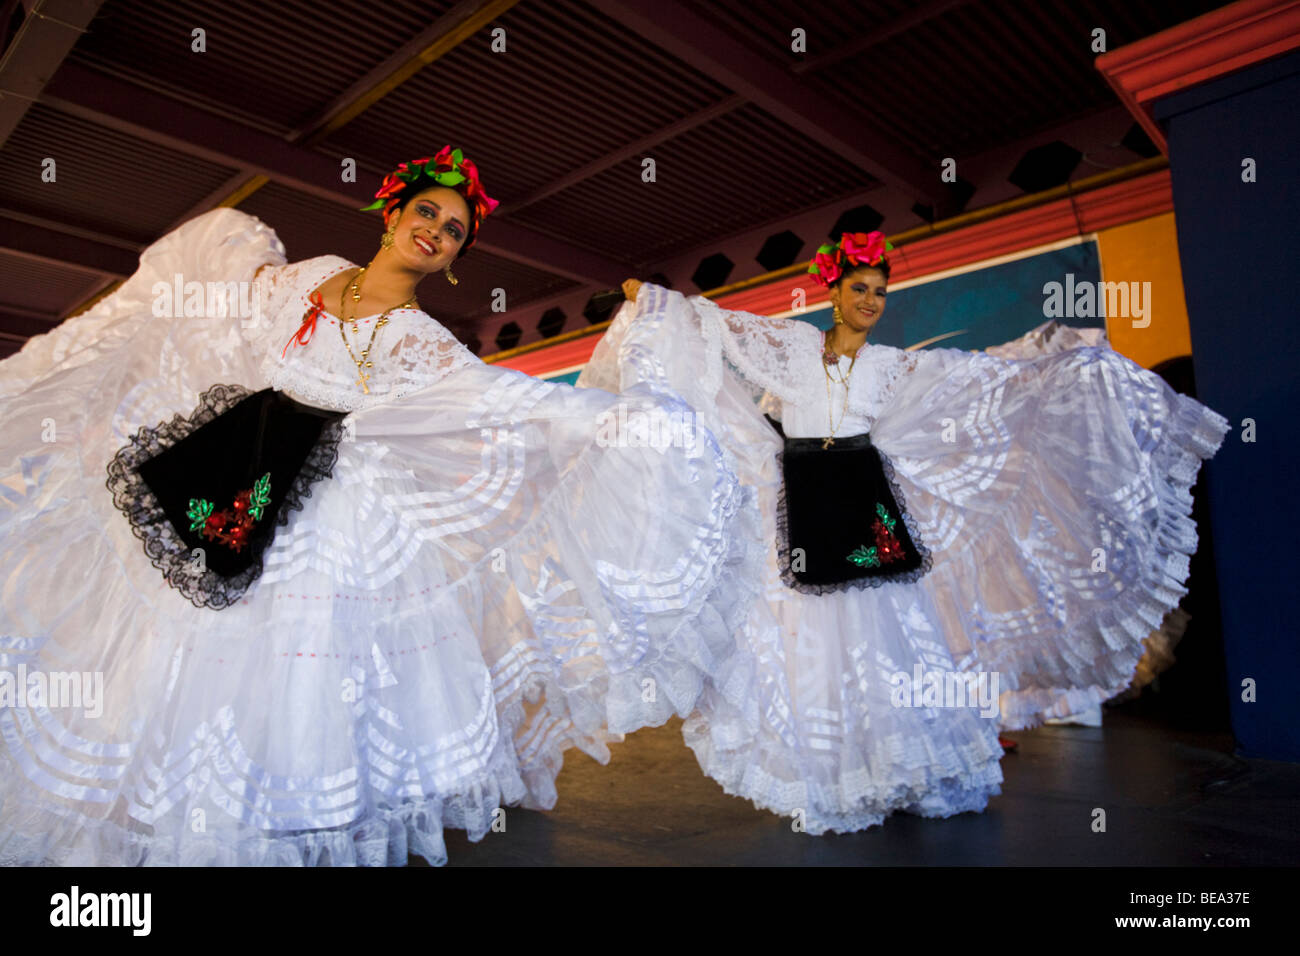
<point>304,333</point>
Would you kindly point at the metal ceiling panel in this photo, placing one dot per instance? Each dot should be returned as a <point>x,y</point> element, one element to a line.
<point>741,170</point>
<point>570,87</point>
<point>106,181</point>
<point>42,288</point>
<point>271,65</point>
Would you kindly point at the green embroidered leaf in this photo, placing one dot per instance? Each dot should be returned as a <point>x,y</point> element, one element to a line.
<point>199,511</point>
<point>261,496</point>
<point>865,557</point>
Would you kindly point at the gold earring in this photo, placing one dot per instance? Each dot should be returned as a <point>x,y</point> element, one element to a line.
<point>387,240</point>
<point>450,278</point>
<point>837,315</point>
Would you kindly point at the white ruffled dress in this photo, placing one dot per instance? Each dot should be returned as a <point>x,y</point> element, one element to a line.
<point>483,579</point>
<point>1051,493</point>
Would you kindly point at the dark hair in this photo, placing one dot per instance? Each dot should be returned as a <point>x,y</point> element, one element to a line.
<point>423,185</point>
<point>850,269</point>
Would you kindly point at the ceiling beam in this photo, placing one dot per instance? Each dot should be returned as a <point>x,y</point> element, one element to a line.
<point>42,42</point>
<point>19,325</point>
<point>526,245</point>
<point>238,187</point>
<point>634,149</point>
<point>162,121</point>
<point>877,35</point>
<point>25,236</point>
<point>710,49</point>
<point>437,40</point>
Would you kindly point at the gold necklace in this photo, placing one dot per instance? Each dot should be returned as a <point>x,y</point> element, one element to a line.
<point>355,288</point>
<point>363,362</point>
<point>843,379</point>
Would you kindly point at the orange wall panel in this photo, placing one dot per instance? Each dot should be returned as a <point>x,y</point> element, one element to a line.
<point>1147,251</point>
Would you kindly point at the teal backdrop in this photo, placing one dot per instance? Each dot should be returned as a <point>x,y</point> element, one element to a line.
<point>992,305</point>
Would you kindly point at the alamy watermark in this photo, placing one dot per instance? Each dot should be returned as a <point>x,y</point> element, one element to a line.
<point>638,428</point>
<point>1095,300</point>
<point>208,300</point>
<point>57,690</point>
<point>923,688</point>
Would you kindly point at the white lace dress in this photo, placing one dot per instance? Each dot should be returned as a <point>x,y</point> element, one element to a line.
<point>477,584</point>
<point>1052,495</point>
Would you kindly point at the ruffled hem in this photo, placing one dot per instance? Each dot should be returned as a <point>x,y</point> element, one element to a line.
<point>1104,650</point>
<point>50,836</point>
<point>960,779</point>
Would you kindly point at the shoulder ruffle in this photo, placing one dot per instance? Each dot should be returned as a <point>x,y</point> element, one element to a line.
<point>413,351</point>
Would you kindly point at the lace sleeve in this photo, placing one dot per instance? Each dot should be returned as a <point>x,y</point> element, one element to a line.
<point>763,350</point>
<point>426,353</point>
<point>880,373</point>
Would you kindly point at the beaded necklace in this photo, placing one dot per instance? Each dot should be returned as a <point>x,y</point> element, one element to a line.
<point>363,362</point>
<point>831,358</point>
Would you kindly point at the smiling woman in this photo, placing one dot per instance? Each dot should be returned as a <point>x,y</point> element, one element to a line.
<point>345,585</point>
<point>931,519</point>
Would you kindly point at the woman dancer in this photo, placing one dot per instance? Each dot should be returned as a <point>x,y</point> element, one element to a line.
<point>330,584</point>
<point>954,540</point>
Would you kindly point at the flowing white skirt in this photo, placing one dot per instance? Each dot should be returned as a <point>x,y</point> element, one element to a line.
<point>480,585</point>
<point>1057,515</point>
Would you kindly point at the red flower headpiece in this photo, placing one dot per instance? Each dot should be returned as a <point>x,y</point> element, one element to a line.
<point>448,168</point>
<point>857,248</point>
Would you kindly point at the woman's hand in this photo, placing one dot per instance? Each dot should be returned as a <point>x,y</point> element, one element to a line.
<point>630,288</point>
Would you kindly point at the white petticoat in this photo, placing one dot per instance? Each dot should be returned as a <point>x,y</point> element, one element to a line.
<point>480,585</point>
<point>1052,494</point>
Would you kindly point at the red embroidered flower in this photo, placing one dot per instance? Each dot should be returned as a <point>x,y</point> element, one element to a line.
<point>888,546</point>
<point>216,523</point>
<point>237,537</point>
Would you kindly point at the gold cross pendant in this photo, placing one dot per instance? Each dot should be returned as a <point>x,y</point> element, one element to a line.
<point>827,442</point>
<point>361,380</point>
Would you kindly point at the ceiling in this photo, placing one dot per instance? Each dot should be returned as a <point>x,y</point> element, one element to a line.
<point>560,103</point>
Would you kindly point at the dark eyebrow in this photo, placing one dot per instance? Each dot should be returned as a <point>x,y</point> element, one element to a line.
<point>439,208</point>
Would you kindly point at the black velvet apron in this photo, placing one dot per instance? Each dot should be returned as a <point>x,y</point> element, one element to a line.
<point>206,494</point>
<point>840,518</point>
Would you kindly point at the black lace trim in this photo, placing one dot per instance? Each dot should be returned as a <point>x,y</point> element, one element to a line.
<point>783,559</point>
<point>163,546</point>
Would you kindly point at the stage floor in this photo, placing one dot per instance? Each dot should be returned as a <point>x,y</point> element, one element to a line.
<point>1172,798</point>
